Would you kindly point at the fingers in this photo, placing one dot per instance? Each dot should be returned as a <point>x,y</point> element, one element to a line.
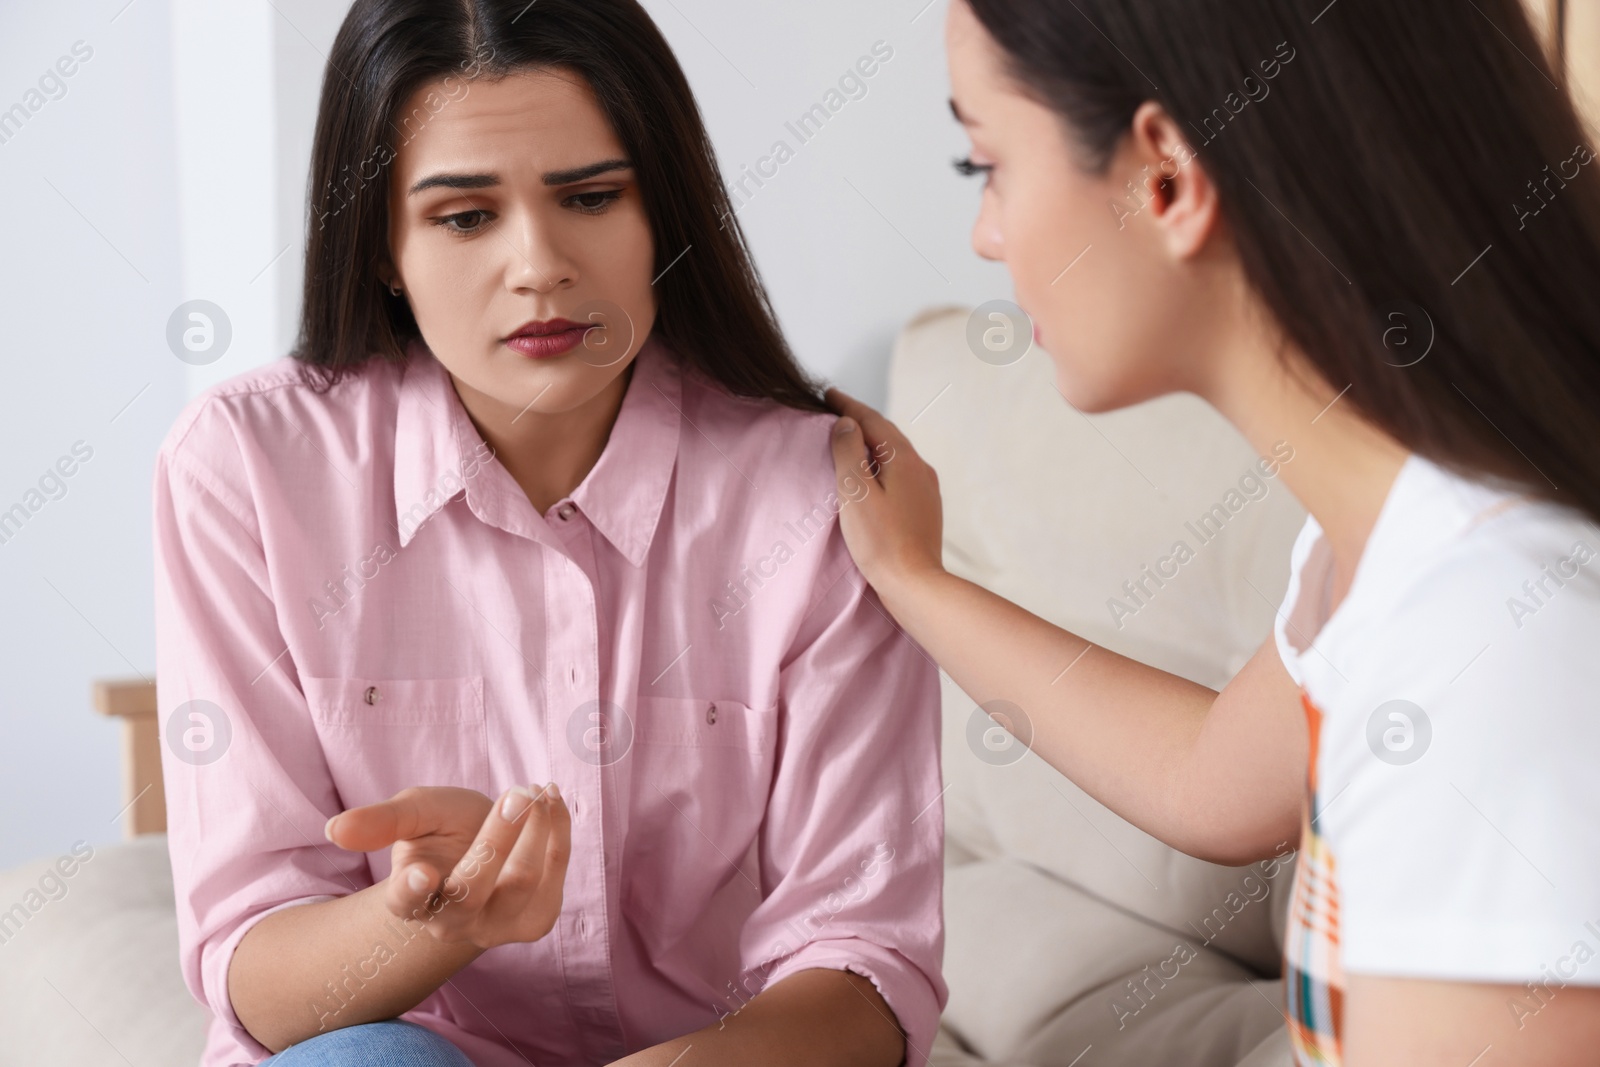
<point>558,848</point>
<point>523,863</point>
<point>421,885</point>
<point>845,404</point>
<point>368,828</point>
<point>876,425</point>
<point>536,870</point>
<point>411,891</point>
<point>409,814</point>
<point>851,411</point>
<point>879,435</point>
<point>839,400</point>
<point>518,811</point>
<point>493,884</point>
<point>850,460</point>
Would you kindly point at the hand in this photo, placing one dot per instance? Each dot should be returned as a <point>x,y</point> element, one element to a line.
<point>485,878</point>
<point>894,518</point>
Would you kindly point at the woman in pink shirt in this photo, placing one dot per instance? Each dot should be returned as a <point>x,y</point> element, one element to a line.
<point>540,498</point>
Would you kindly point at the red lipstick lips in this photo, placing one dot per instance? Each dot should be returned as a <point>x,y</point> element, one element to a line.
<point>552,337</point>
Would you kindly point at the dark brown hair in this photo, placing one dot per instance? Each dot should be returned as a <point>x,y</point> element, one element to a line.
<point>1415,159</point>
<point>712,308</point>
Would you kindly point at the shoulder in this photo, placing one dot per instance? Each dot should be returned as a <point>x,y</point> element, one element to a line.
<point>1501,574</point>
<point>271,416</point>
<point>1481,620</point>
<point>791,443</point>
<point>1504,615</point>
<point>773,465</point>
<point>760,447</point>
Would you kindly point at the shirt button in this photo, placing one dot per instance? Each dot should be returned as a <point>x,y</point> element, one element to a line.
<point>566,511</point>
<point>371,695</point>
<point>711,713</point>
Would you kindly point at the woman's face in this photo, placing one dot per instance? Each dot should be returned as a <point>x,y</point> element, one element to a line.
<point>1121,315</point>
<point>514,202</point>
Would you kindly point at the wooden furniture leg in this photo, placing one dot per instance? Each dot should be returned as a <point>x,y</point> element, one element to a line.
<point>134,702</point>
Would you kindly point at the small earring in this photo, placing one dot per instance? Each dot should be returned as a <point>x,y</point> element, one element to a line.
<point>395,289</point>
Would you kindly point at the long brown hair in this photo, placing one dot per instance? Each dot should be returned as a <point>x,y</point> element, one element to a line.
<point>1375,159</point>
<point>712,308</point>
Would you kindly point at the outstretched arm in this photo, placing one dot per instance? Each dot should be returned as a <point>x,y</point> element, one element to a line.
<point>1218,776</point>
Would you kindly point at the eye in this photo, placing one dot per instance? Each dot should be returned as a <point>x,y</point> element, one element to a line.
<point>594,203</point>
<point>968,169</point>
<point>451,222</point>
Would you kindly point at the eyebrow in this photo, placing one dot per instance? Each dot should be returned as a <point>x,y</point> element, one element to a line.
<point>485,181</point>
<point>956,111</point>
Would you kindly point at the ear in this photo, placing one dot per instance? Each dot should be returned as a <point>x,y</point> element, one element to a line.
<point>1183,201</point>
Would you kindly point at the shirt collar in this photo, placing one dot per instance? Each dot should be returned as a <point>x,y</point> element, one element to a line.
<point>439,454</point>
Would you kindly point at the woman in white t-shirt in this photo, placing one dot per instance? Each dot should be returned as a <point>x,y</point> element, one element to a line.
<point>1370,230</point>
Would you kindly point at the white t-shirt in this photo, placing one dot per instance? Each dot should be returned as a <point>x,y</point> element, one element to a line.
<point>1456,779</point>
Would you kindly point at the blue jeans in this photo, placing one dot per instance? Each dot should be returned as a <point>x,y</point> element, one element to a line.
<point>389,1043</point>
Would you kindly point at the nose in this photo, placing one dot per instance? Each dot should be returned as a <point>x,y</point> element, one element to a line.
<point>986,239</point>
<point>537,259</point>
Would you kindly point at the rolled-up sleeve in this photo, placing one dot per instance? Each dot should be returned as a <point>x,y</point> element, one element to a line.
<point>247,787</point>
<point>852,846</point>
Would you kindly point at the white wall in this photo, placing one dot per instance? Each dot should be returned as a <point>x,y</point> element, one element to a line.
<point>174,168</point>
<point>88,275</point>
<point>867,223</point>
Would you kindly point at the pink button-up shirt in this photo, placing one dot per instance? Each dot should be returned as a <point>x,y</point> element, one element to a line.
<point>354,596</point>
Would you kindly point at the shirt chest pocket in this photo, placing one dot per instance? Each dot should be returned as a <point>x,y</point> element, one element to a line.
<point>699,773</point>
<point>381,735</point>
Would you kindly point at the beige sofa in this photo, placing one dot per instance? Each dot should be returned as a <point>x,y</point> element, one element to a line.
<point>1063,923</point>
<point>91,978</point>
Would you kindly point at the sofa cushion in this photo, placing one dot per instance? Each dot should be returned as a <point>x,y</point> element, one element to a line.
<point>1094,974</point>
<point>90,972</point>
